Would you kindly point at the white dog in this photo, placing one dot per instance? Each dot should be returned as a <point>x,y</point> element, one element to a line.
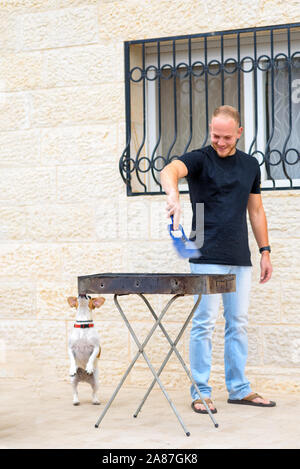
<point>84,345</point>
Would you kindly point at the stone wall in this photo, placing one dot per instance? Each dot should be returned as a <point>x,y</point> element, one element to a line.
<point>63,205</point>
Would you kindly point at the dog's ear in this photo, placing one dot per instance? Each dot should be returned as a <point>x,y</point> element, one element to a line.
<point>73,302</point>
<point>96,302</point>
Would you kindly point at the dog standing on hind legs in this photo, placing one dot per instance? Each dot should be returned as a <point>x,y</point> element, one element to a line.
<point>84,345</point>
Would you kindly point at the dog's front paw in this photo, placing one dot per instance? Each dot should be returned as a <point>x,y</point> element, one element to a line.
<point>73,371</point>
<point>89,369</point>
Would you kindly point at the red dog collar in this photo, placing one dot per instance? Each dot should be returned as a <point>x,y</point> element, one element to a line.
<point>83,326</point>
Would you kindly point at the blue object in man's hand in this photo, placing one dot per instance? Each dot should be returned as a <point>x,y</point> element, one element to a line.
<point>184,247</point>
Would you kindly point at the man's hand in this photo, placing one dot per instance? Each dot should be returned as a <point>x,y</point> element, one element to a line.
<point>169,178</point>
<point>173,208</point>
<point>266,268</point>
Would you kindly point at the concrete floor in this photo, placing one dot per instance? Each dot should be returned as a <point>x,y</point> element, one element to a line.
<point>43,416</point>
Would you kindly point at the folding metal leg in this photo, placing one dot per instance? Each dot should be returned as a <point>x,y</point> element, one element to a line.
<point>141,351</point>
<point>173,348</point>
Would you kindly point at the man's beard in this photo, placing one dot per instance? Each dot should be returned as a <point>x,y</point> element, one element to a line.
<point>230,150</point>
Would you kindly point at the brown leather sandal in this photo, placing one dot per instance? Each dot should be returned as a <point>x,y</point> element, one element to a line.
<point>249,401</point>
<point>199,401</point>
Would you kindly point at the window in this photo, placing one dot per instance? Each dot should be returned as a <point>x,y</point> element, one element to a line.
<point>174,84</point>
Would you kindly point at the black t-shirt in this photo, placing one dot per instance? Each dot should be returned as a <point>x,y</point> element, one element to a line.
<point>223,185</point>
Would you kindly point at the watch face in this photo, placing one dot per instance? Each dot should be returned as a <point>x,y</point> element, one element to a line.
<point>266,248</point>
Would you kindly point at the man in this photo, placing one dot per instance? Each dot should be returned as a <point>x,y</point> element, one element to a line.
<point>227,181</point>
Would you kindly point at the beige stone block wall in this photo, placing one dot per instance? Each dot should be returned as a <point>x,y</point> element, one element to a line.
<point>63,205</point>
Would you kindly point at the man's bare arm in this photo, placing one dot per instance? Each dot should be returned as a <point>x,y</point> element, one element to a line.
<point>170,176</point>
<point>259,226</point>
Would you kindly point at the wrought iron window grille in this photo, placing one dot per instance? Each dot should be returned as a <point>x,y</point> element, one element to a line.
<point>173,84</point>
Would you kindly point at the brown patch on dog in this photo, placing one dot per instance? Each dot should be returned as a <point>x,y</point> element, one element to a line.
<point>96,302</point>
<point>73,302</point>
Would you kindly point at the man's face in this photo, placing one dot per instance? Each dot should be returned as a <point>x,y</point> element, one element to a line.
<point>224,132</point>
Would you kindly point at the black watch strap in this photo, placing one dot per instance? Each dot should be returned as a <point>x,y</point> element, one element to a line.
<point>265,248</point>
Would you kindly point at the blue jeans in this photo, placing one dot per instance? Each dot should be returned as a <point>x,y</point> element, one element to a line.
<point>236,340</point>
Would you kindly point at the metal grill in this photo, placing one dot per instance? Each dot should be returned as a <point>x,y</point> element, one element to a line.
<point>172,86</point>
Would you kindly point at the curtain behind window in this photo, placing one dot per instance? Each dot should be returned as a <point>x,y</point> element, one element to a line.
<point>282,112</point>
<point>184,138</point>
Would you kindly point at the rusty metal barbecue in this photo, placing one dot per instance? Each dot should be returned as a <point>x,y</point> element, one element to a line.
<point>182,284</point>
<point>177,285</point>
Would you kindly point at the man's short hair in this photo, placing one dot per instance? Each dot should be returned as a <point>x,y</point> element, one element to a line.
<point>228,111</point>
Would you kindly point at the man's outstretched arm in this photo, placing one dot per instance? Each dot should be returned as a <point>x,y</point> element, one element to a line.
<point>170,176</point>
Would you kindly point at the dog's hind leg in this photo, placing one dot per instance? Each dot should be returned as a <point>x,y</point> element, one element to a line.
<point>74,382</point>
<point>95,386</point>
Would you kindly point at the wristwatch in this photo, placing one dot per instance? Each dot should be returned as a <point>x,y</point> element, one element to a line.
<point>265,248</point>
